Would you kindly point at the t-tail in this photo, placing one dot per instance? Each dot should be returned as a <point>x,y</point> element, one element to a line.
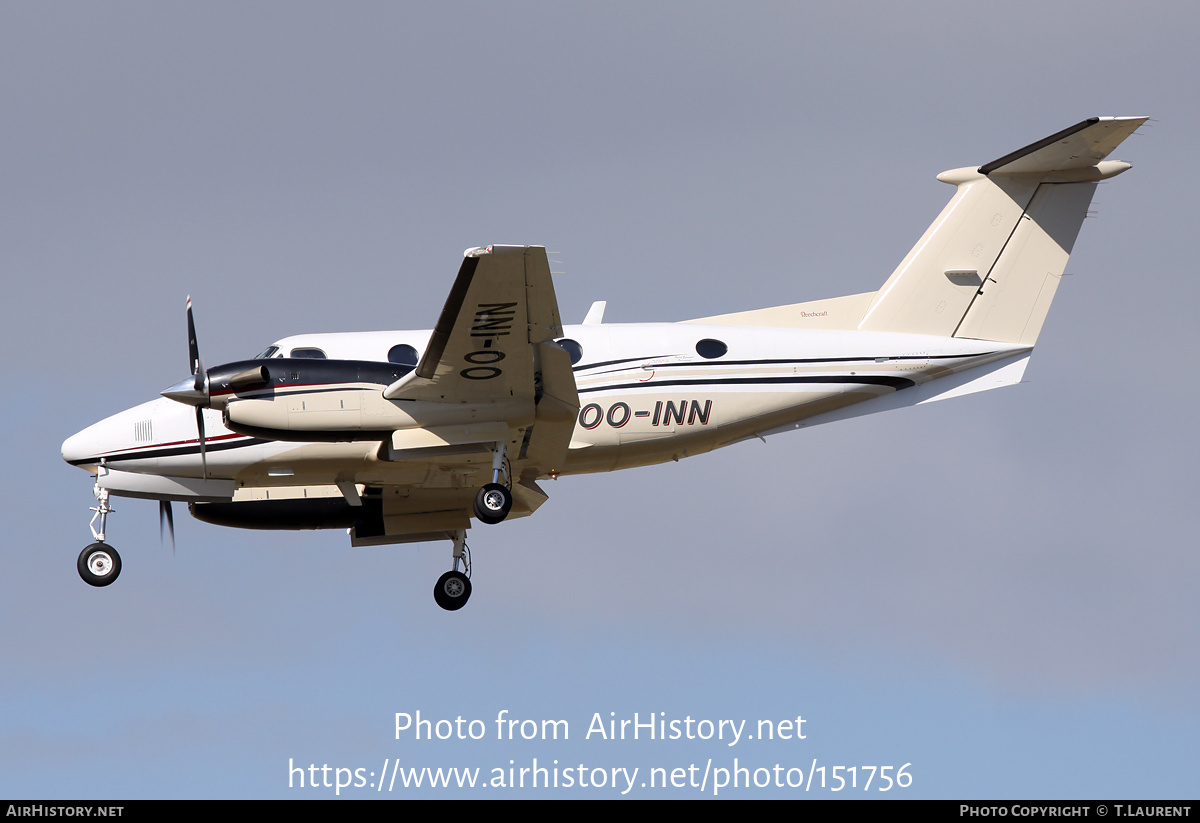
<point>988,266</point>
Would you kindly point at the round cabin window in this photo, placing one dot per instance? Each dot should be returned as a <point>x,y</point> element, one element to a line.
<point>572,348</point>
<point>403,355</point>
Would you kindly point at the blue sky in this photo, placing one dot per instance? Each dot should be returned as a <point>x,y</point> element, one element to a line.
<point>998,590</point>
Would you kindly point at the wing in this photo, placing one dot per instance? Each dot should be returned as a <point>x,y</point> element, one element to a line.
<point>502,305</point>
<point>492,350</point>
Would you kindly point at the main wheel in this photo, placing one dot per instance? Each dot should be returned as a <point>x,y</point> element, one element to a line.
<point>493,503</point>
<point>452,591</point>
<point>99,564</point>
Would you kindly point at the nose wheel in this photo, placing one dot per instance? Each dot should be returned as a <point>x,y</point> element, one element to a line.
<point>453,588</point>
<point>99,564</point>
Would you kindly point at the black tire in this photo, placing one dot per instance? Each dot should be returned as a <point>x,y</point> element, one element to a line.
<point>99,564</point>
<point>452,591</point>
<point>492,503</point>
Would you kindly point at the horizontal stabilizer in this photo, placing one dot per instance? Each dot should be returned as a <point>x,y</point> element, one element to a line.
<point>1078,147</point>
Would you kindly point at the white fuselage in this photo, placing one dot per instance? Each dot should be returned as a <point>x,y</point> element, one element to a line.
<point>402,437</point>
<point>646,395</point>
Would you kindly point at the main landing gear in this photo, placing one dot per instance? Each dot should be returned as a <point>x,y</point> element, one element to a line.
<point>491,505</point>
<point>453,588</point>
<point>99,564</point>
<point>494,501</point>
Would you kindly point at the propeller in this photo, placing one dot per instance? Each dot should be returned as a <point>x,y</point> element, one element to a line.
<point>194,391</point>
<point>199,382</point>
<point>166,518</point>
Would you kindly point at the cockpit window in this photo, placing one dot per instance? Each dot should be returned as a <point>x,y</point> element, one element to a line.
<point>270,352</point>
<point>309,353</point>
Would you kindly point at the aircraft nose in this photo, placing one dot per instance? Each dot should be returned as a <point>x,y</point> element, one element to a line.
<point>80,448</point>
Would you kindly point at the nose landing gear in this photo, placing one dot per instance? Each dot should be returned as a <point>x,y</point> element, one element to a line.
<point>454,587</point>
<point>99,564</point>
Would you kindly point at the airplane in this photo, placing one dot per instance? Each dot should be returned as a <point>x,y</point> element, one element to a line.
<point>406,436</point>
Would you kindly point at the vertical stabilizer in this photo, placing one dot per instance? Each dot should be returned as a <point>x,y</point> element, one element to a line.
<point>931,289</point>
<point>989,265</point>
<point>1011,306</point>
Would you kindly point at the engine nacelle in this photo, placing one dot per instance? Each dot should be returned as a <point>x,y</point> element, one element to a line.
<point>354,414</point>
<point>316,513</point>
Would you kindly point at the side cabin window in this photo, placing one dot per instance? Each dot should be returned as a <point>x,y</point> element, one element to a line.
<point>711,349</point>
<point>572,348</point>
<point>309,353</point>
<point>403,355</point>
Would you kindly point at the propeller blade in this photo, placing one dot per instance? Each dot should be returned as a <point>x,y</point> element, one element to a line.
<point>200,431</point>
<point>194,390</point>
<point>193,346</point>
<point>199,384</point>
<point>166,517</point>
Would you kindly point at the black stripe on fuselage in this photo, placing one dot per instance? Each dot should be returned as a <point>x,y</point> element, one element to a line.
<point>174,451</point>
<point>688,364</point>
<point>862,379</point>
<point>615,362</point>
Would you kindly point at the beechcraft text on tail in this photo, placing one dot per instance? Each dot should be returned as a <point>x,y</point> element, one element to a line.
<point>408,436</point>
